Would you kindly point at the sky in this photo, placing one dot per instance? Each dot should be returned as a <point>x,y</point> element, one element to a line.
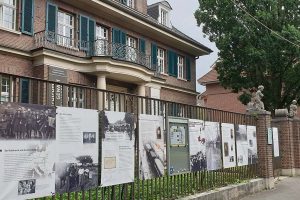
<point>182,17</point>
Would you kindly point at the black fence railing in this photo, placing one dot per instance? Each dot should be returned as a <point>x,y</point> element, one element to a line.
<point>99,47</point>
<point>38,91</point>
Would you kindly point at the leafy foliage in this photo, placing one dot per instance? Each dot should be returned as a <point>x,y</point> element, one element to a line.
<point>251,54</point>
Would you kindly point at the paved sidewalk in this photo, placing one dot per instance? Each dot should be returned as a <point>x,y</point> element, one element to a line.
<point>285,189</point>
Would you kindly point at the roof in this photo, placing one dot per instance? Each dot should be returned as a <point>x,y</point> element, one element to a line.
<point>165,3</point>
<point>209,77</point>
<point>154,22</point>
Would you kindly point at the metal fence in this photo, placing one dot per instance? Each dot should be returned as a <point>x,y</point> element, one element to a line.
<point>38,91</point>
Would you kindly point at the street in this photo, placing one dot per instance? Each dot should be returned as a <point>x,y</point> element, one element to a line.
<point>285,189</point>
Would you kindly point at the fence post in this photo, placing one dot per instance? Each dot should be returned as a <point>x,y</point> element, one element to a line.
<point>296,131</point>
<point>286,142</point>
<point>265,150</point>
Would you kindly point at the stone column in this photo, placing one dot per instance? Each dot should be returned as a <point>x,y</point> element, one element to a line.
<point>101,84</point>
<point>141,91</point>
<point>265,151</point>
<point>286,143</point>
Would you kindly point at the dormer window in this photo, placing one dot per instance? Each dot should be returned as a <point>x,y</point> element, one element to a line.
<point>163,17</point>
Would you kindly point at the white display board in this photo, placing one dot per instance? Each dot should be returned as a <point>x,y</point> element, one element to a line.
<point>228,140</point>
<point>275,142</point>
<point>117,148</point>
<point>77,144</point>
<point>241,144</point>
<point>27,151</point>
<point>197,145</point>
<point>213,145</point>
<point>252,145</point>
<point>152,148</point>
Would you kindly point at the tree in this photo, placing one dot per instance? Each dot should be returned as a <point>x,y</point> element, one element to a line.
<point>252,53</point>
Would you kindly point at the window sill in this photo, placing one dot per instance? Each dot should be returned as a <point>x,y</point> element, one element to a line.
<point>164,74</point>
<point>181,79</point>
<point>10,30</point>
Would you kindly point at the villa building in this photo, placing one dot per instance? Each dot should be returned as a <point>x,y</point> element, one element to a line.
<point>123,46</point>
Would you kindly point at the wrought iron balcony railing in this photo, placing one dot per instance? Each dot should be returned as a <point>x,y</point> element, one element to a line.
<point>99,47</point>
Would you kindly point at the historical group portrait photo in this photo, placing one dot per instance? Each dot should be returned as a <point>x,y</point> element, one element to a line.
<point>26,121</point>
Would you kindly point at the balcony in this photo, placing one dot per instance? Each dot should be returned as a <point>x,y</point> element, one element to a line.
<point>97,48</point>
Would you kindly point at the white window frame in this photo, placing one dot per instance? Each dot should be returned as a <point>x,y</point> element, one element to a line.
<point>180,64</point>
<point>130,3</point>
<point>163,17</point>
<point>5,82</point>
<point>161,60</point>
<point>62,38</point>
<point>76,97</point>
<point>131,48</point>
<point>13,6</point>
<point>101,44</point>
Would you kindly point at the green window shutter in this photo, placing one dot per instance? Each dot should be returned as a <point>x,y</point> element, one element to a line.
<point>154,54</point>
<point>188,68</point>
<point>142,45</point>
<point>115,36</point>
<point>92,31</point>
<point>51,20</point>
<point>83,32</point>
<point>122,37</point>
<point>24,90</point>
<point>27,16</point>
<point>175,65</point>
<point>171,63</point>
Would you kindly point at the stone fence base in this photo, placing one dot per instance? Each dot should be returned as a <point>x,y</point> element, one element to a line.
<point>233,192</point>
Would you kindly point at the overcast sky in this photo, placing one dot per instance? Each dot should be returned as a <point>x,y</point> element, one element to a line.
<point>182,17</point>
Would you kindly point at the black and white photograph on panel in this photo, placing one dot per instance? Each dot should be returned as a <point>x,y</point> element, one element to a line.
<point>197,145</point>
<point>118,139</point>
<point>213,145</point>
<point>152,148</point>
<point>252,145</point>
<point>72,177</point>
<point>89,137</point>
<point>27,150</point>
<point>241,144</point>
<point>26,122</point>
<point>78,146</point>
<point>228,140</point>
<point>26,187</point>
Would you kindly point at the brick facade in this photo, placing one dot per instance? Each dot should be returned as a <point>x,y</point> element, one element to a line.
<point>176,96</point>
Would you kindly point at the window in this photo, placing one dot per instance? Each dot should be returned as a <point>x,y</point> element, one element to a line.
<point>76,97</point>
<point>8,14</point>
<point>5,88</point>
<point>101,44</point>
<point>163,17</point>
<point>130,3</point>
<point>180,67</point>
<point>161,60</point>
<point>131,54</point>
<point>65,36</point>
<point>101,33</point>
<point>131,42</point>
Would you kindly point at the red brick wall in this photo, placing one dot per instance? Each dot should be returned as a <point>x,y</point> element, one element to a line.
<point>219,98</point>
<point>13,64</point>
<point>179,97</point>
<point>265,151</point>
